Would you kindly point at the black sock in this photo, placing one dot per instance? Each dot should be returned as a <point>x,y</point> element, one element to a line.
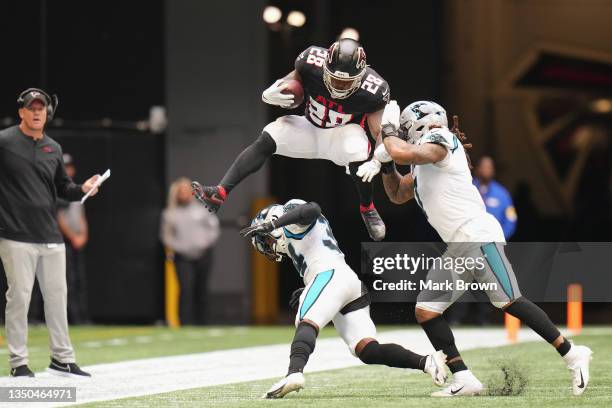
<point>302,347</point>
<point>392,355</point>
<point>457,365</point>
<point>534,317</point>
<point>249,161</point>
<point>564,347</point>
<point>441,337</point>
<point>365,190</point>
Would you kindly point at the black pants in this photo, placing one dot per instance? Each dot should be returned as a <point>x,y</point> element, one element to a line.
<point>78,309</point>
<point>193,279</point>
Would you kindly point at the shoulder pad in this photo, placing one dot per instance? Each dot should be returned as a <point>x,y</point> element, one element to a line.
<point>442,137</point>
<point>291,204</point>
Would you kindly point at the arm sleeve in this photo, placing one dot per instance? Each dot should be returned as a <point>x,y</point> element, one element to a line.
<point>298,216</point>
<point>66,188</point>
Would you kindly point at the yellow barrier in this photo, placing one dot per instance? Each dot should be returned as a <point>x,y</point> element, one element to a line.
<point>264,279</point>
<point>574,308</point>
<point>172,292</point>
<point>513,326</point>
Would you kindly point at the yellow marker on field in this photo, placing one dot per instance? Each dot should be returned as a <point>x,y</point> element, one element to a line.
<point>513,326</point>
<point>574,308</point>
<point>264,280</point>
<point>172,292</point>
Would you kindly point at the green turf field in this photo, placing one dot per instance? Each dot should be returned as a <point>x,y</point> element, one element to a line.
<point>548,381</point>
<point>107,344</point>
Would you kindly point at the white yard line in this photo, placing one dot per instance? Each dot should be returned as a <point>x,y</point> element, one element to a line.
<point>165,374</point>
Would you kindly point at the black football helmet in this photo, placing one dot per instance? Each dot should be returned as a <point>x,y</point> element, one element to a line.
<point>344,68</point>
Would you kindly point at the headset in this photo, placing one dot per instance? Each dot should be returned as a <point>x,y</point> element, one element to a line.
<point>52,101</point>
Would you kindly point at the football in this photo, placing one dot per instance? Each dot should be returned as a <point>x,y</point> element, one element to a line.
<point>295,88</point>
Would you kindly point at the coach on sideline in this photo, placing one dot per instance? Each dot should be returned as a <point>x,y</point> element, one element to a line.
<point>32,177</point>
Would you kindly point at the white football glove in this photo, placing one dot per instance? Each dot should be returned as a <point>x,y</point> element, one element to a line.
<point>390,122</point>
<point>274,95</point>
<point>381,154</point>
<point>368,170</point>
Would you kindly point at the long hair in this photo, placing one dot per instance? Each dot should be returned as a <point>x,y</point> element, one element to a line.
<point>173,191</point>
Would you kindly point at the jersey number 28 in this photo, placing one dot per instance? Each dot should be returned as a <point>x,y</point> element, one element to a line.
<point>371,83</point>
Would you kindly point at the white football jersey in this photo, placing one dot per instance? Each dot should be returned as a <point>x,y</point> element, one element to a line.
<point>312,248</point>
<point>451,203</point>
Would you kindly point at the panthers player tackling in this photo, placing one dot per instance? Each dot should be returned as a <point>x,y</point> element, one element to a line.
<point>441,183</point>
<point>333,292</point>
<point>345,99</point>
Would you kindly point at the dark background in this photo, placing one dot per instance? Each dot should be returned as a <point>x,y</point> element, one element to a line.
<point>207,63</point>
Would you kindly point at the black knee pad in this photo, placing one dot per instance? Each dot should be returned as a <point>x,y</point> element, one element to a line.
<point>392,355</point>
<point>371,353</point>
<point>305,339</point>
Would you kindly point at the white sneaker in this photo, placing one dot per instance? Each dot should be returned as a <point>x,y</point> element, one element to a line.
<point>292,382</point>
<point>435,365</point>
<point>464,383</point>
<point>578,360</point>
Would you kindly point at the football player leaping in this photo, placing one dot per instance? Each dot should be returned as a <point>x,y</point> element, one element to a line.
<point>441,183</point>
<point>333,292</point>
<point>345,99</point>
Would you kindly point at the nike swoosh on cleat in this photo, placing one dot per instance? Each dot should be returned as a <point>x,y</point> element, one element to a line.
<point>275,392</point>
<point>62,368</point>
<point>457,390</point>
<point>581,380</point>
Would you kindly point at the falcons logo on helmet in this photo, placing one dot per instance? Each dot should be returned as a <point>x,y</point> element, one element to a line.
<point>361,60</point>
<point>330,52</point>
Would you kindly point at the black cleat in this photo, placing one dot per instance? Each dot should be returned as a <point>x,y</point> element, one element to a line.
<point>211,197</point>
<point>374,224</point>
<point>66,369</point>
<point>21,371</point>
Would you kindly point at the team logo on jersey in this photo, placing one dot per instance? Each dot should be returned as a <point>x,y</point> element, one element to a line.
<point>387,95</point>
<point>47,149</point>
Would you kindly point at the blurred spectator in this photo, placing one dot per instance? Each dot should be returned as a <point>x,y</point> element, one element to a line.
<point>189,231</point>
<point>495,196</point>
<point>73,225</point>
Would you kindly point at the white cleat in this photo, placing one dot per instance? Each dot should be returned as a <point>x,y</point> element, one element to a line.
<point>464,383</point>
<point>292,382</point>
<point>435,365</point>
<point>578,360</point>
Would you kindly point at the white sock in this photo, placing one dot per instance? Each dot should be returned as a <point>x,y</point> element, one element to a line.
<point>464,375</point>
<point>569,355</point>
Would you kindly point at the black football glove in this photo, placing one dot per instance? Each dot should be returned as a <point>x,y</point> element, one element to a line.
<point>264,227</point>
<point>294,302</point>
